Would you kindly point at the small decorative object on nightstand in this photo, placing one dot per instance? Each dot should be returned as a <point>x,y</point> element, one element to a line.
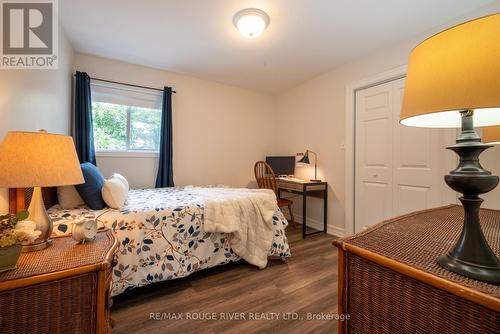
<point>13,231</point>
<point>9,256</point>
<point>62,289</point>
<point>84,230</point>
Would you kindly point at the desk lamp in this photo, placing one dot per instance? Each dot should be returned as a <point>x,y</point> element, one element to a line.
<point>305,160</point>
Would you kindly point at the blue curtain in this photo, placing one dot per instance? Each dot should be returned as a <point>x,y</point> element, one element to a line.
<point>165,176</point>
<point>84,132</point>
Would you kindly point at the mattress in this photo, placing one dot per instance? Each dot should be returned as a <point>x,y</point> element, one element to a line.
<point>161,236</point>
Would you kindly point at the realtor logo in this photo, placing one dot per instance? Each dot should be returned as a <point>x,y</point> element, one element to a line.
<point>29,34</point>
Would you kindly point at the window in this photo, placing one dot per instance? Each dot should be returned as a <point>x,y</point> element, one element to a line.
<point>125,128</point>
<point>125,119</point>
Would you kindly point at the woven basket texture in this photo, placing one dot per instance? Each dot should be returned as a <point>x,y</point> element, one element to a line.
<point>417,239</point>
<point>380,300</point>
<point>50,307</point>
<point>65,253</point>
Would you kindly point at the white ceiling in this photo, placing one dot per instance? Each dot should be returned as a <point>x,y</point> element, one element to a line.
<point>197,37</point>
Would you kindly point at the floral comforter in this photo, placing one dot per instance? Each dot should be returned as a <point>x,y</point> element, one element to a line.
<point>161,236</point>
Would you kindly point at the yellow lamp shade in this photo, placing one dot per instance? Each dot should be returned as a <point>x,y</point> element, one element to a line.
<point>38,159</point>
<point>456,69</point>
<point>491,135</point>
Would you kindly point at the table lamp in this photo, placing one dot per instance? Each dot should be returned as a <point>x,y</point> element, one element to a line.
<point>38,159</point>
<point>305,160</point>
<point>491,135</point>
<point>452,81</point>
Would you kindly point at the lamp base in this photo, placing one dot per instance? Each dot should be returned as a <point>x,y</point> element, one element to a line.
<point>471,256</point>
<point>490,274</point>
<point>36,247</point>
<point>39,216</point>
<point>315,180</point>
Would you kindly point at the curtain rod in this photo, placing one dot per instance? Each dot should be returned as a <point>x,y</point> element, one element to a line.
<point>127,84</point>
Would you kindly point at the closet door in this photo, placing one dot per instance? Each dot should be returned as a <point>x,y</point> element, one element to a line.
<point>418,162</point>
<point>374,122</point>
<point>399,169</point>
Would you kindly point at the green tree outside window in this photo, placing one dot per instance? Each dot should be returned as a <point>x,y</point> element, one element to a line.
<point>122,128</point>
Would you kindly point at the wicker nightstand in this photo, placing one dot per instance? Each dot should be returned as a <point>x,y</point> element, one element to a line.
<point>61,289</point>
<point>390,282</point>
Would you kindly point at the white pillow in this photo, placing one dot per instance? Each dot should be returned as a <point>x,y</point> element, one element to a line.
<point>68,197</point>
<point>114,193</point>
<point>121,178</point>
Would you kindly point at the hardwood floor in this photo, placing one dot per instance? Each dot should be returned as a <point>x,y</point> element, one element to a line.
<point>306,283</point>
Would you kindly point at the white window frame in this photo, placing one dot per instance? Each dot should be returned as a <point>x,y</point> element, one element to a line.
<point>127,92</point>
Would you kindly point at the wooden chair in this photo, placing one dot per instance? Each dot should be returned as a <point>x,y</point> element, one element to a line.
<point>266,179</point>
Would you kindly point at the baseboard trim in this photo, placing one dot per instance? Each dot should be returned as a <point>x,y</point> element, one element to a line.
<point>318,225</point>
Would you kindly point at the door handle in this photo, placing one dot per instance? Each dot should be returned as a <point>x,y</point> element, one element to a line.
<point>374,174</point>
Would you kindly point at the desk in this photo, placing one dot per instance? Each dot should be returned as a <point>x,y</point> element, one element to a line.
<point>305,189</point>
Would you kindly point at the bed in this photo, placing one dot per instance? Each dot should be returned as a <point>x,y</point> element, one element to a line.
<point>161,236</point>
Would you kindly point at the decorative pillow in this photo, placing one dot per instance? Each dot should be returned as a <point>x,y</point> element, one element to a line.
<point>114,193</point>
<point>68,197</point>
<point>90,191</point>
<point>121,178</point>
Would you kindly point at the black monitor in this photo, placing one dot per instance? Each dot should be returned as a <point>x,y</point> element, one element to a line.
<point>282,165</point>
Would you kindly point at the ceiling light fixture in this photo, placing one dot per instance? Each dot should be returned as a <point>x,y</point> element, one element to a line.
<point>251,22</point>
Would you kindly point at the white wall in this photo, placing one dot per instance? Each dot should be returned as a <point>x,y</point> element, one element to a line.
<point>31,100</point>
<point>312,115</point>
<point>219,130</point>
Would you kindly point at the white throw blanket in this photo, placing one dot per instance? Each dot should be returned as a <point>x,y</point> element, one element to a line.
<point>246,215</point>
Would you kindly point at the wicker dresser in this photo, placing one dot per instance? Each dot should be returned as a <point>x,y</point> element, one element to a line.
<point>61,289</point>
<point>390,282</point>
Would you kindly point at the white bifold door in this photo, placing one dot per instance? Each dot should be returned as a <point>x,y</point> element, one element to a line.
<point>399,169</point>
